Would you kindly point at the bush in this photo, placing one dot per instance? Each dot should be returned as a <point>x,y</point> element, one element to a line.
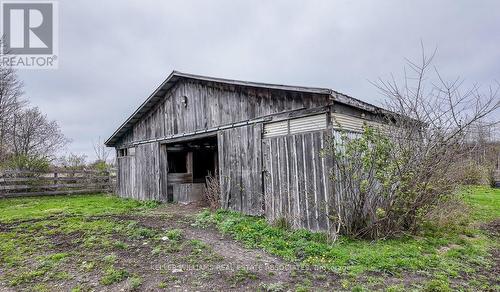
<point>366,170</point>
<point>389,188</point>
<point>471,173</point>
<point>100,166</point>
<point>449,213</point>
<point>134,282</point>
<point>212,192</point>
<point>27,163</point>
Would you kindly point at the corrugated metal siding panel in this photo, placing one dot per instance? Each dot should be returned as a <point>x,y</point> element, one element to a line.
<point>383,128</point>
<point>275,129</point>
<point>347,122</point>
<point>308,124</point>
<point>355,124</point>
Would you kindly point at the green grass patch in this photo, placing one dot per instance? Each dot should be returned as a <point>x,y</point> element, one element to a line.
<point>45,267</point>
<point>485,202</point>
<point>436,250</point>
<point>85,205</point>
<point>135,282</point>
<point>240,276</point>
<point>135,231</point>
<point>36,226</point>
<point>113,275</point>
<point>174,234</point>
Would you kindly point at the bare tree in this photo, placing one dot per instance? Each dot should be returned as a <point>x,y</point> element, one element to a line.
<point>32,134</point>
<point>101,151</point>
<point>398,173</point>
<point>11,102</point>
<point>72,161</point>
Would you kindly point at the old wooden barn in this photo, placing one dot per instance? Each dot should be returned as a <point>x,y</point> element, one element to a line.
<point>263,141</point>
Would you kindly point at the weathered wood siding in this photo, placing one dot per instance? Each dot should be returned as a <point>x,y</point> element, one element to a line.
<point>139,175</point>
<point>282,175</point>
<point>147,172</point>
<point>188,193</point>
<point>211,104</point>
<point>298,184</point>
<point>126,177</point>
<point>296,179</point>
<point>240,169</point>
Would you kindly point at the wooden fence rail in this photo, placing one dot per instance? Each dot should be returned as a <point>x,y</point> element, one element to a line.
<point>496,178</point>
<point>55,182</point>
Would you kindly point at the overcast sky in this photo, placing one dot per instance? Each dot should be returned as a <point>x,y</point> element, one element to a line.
<point>113,54</point>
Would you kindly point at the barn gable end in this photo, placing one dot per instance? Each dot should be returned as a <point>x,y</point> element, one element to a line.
<point>262,140</point>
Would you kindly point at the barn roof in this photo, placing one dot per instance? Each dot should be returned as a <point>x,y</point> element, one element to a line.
<point>175,76</point>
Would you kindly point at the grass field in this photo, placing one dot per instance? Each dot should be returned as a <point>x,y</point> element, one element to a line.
<point>456,255</point>
<point>104,243</point>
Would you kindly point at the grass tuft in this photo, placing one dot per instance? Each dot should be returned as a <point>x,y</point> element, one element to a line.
<point>174,234</point>
<point>113,275</point>
<point>135,282</point>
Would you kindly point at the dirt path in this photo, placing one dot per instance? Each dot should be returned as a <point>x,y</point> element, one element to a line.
<point>238,267</point>
<point>133,252</point>
<point>224,245</point>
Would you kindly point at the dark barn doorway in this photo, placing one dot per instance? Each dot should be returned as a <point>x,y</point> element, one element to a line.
<point>188,165</point>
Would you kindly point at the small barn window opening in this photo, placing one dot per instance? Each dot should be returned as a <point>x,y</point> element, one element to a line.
<point>188,164</point>
<point>126,152</point>
<point>184,101</point>
<point>122,152</point>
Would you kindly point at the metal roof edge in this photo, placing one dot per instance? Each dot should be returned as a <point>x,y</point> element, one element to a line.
<point>108,141</point>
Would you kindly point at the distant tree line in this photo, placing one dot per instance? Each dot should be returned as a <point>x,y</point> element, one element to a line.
<point>74,161</point>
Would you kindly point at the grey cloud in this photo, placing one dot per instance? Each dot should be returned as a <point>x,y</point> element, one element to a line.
<point>114,53</point>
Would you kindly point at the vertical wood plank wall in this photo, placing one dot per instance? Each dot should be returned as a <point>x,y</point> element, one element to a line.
<point>147,171</point>
<point>125,176</point>
<point>211,104</point>
<point>297,179</point>
<point>240,169</point>
<point>139,175</point>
